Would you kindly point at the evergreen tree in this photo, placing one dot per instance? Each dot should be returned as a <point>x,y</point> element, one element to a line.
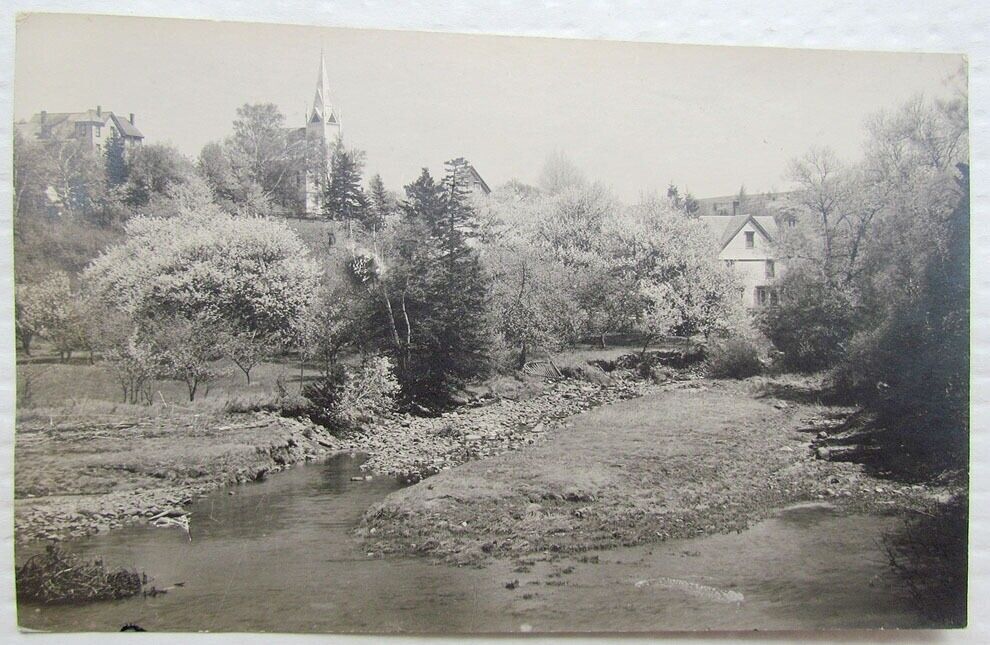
<point>380,205</point>
<point>343,198</point>
<point>691,205</point>
<point>434,304</point>
<point>116,166</point>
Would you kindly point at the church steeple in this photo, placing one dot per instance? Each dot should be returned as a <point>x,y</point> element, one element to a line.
<point>323,111</point>
<point>322,132</point>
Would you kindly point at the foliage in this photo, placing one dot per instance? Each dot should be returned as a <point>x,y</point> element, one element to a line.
<point>877,276</point>
<point>559,174</point>
<point>812,323</point>
<point>344,199</point>
<point>59,577</point>
<point>343,397</point>
<point>682,287</point>
<point>369,391</point>
<point>733,358</point>
<point>927,334</point>
<point>114,159</point>
<point>330,326</point>
<point>184,349</point>
<point>31,174</point>
<point>381,205</point>
<point>324,395</point>
<point>930,553</point>
<point>686,203</point>
<point>428,293</point>
<point>252,170</point>
<point>50,310</point>
<point>250,273</point>
<point>245,348</point>
<point>131,362</point>
<point>154,169</point>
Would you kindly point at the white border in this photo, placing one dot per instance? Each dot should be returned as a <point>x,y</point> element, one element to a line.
<point>889,25</point>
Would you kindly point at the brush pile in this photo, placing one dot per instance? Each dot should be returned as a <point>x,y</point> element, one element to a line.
<point>57,577</point>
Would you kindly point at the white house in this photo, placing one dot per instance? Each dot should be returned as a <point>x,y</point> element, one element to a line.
<point>746,244</point>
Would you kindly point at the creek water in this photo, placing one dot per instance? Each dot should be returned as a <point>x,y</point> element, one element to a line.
<point>279,556</point>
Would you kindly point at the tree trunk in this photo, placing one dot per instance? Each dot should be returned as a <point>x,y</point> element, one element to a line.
<point>601,341</point>
<point>26,343</point>
<point>649,338</point>
<point>522,356</point>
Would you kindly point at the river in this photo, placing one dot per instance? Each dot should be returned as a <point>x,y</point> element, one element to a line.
<point>279,556</point>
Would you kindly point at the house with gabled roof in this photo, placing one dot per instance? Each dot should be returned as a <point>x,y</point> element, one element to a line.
<point>746,243</point>
<point>93,127</point>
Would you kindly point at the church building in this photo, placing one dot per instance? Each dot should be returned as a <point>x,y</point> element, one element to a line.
<point>319,135</point>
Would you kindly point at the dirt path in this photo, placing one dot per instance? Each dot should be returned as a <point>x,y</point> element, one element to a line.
<point>701,457</point>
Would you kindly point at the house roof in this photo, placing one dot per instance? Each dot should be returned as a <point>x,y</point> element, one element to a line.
<point>64,123</point>
<point>126,128</point>
<point>477,177</point>
<point>728,226</point>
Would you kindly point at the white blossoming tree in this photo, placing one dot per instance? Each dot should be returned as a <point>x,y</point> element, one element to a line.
<point>212,273</point>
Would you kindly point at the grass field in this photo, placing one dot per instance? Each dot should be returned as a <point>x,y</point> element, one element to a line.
<point>45,384</point>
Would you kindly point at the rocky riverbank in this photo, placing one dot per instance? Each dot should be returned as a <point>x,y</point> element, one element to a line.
<point>76,478</point>
<point>413,448</point>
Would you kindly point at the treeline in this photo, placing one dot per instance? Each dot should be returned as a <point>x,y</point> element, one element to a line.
<point>431,291</point>
<point>876,289</point>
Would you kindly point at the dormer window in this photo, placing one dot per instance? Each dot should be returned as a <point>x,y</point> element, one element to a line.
<point>749,239</point>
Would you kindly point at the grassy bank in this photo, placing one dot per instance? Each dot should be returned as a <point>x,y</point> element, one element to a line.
<point>700,457</point>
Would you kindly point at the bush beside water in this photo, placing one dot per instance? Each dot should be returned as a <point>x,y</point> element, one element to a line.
<point>56,576</point>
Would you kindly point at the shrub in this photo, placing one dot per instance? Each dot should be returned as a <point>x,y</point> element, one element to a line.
<point>734,358</point>
<point>812,323</point>
<point>340,399</point>
<point>583,371</point>
<point>324,396</point>
<point>370,391</point>
<point>59,577</point>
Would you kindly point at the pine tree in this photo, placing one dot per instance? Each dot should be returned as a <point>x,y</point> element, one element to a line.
<point>343,198</point>
<point>380,205</point>
<point>116,166</point>
<point>438,292</point>
<point>691,205</point>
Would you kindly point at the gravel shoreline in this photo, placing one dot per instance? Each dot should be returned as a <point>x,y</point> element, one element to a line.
<point>54,501</point>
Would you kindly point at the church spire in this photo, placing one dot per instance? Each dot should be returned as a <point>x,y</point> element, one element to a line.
<point>322,108</point>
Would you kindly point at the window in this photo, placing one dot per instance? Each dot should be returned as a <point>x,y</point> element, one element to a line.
<point>749,239</point>
<point>97,131</point>
<point>766,296</point>
<point>770,269</point>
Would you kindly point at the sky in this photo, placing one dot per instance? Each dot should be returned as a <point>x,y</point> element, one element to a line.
<point>635,116</point>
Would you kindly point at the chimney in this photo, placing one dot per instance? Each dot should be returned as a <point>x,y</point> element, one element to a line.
<point>132,118</point>
<point>735,207</point>
<point>44,116</point>
<point>99,110</point>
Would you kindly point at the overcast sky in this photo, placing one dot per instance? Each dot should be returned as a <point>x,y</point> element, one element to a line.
<point>635,116</point>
